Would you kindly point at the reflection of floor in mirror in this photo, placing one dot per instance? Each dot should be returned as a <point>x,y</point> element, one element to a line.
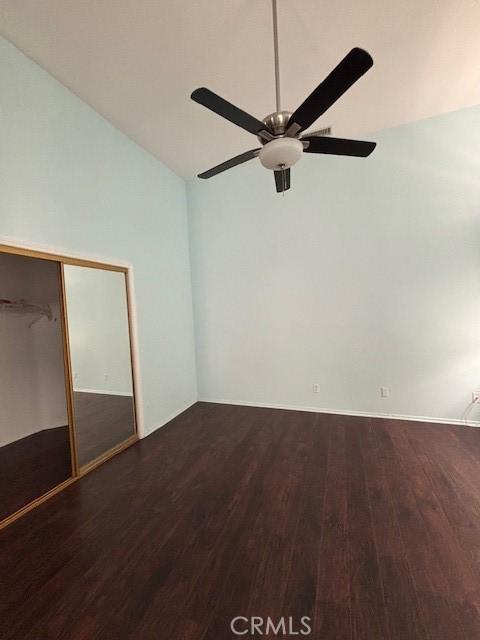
<point>32,466</point>
<point>102,421</point>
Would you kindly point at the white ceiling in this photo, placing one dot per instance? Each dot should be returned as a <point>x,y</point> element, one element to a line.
<point>137,61</point>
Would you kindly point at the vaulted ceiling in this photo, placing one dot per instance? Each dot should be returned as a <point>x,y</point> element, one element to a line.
<point>137,61</point>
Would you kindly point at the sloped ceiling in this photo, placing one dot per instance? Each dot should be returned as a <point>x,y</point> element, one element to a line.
<point>137,61</point>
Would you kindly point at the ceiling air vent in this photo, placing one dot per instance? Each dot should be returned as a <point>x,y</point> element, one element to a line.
<point>322,132</point>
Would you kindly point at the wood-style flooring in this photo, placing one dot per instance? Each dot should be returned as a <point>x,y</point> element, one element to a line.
<point>370,527</point>
<point>31,466</point>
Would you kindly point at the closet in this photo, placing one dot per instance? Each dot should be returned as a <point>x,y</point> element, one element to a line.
<point>67,386</point>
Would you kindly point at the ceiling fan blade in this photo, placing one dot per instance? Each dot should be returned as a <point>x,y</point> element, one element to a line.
<point>228,164</point>
<point>345,74</point>
<point>230,112</point>
<point>338,146</point>
<point>282,180</point>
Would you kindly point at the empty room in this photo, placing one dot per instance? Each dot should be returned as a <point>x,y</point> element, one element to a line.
<point>239,320</point>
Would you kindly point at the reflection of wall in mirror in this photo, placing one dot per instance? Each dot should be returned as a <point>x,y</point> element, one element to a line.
<point>32,383</point>
<point>98,330</point>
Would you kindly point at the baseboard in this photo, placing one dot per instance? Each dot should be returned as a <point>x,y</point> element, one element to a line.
<point>343,412</point>
<point>169,419</point>
<point>104,392</point>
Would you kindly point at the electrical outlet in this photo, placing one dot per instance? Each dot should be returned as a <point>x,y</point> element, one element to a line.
<point>385,392</point>
<point>475,396</point>
<point>316,388</point>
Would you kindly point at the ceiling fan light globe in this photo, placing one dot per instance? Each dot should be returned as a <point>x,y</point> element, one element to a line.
<point>281,153</point>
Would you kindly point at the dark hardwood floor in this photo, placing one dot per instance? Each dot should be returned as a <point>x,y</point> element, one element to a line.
<point>370,527</point>
<point>31,466</point>
<point>101,422</point>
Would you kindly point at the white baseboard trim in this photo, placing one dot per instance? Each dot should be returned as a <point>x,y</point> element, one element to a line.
<point>104,392</point>
<point>167,420</point>
<point>343,412</point>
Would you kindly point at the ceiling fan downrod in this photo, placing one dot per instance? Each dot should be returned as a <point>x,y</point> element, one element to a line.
<point>275,54</point>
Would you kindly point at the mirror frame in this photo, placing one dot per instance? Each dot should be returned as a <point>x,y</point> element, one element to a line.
<point>77,471</point>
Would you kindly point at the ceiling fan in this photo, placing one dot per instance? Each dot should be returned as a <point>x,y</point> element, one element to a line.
<point>280,133</point>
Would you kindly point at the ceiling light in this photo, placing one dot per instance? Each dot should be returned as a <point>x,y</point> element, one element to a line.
<point>281,153</point>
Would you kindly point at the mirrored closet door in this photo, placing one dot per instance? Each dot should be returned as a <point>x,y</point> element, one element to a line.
<point>66,377</point>
<point>35,452</point>
<point>98,331</point>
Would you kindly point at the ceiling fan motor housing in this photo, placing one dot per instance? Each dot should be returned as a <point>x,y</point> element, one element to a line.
<point>282,152</point>
<point>277,123</point>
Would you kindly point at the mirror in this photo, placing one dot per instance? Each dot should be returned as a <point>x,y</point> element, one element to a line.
<point>35,452</point>
<point>99,339</point>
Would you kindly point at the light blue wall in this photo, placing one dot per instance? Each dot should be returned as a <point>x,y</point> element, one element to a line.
<point>367,273</point>
<point>72,182</point>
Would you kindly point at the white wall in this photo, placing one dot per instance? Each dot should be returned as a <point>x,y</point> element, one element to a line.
<point>32,382</point>
<point>98,330</point>
<point>71,182</point>
<point>366,273</point>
